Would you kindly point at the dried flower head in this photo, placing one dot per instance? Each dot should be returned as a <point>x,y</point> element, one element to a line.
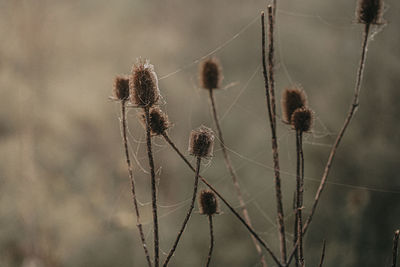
<point>302,119</point>
<point>143,84</point>
<point>210,74</point>
<point>121,88</point>
<point>201,142</point>
<point>208,203</point>
<point>292,99</point>
<point>370,11</point>
<point>158,121</point>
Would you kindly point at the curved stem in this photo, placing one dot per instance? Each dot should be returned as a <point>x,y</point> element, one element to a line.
<point>232,172</point>
<point>211,240</point>
<point>153,187</point>
<point>321,262</point>
<point>185,221</point>
<point>237,215</point>
<point>133,190</point>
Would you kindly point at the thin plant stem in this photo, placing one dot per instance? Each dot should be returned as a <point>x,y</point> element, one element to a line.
<point>189,213</point>
<point>299,195</point>
<point>211,240</point>
<point>350,114</point>
<point>296,258</point>
<point>153,188</point>
<point>321,262</point>
<point>271,107</point>
<point>133,189</point>
<point>237,215</point>
<point>232,172</point>
<point>394,250</point>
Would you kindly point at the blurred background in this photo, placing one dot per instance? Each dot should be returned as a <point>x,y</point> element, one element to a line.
<point>64,190</point>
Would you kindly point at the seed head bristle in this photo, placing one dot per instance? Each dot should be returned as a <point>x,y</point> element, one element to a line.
<point>143,84</point>
<point>201,142</point>
<point>370,11</point>
<point>210,74</point>
<point>121,88</point>
<point>302,119</point>
<point>208,203</point>
<point>158,121</point>
<point>292,99</point>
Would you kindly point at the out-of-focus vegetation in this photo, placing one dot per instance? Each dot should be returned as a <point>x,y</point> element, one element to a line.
<point>64,190</point>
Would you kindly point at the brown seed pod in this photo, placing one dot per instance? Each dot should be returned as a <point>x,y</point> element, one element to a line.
<point>143,84</point>
<point>302,119</point>
<point>292,99</point>
<point>210,74</point>
<point>370,11</point>
<point>158,121</point>
<point>121,88</point>
<point>208,203</point>
<point>201,142</point>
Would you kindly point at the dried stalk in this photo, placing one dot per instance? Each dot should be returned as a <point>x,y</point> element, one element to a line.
<point>323,254</point>
<point>350,114</point>
<point>211,240</point>
<point>271,107</point>
<point>237,215</point>
<point>232,172</point>
<point>153,187</point>
<point>395,244</point>
<point>133,190</point>
<point>189,213</point>
<point>299,196</point>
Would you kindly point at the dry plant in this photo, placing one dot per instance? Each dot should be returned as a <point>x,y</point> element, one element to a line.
<point>142,92</point>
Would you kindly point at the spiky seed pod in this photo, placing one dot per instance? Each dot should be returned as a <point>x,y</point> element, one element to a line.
<point>370,11</point>
<point>292,99</point>
<point>201,142</point>
<point>302,119</point>
<point>210,74</point>
<point>143,84</point>
<point>208,203</point>
<point>158,121</point>
<point>121,88</point>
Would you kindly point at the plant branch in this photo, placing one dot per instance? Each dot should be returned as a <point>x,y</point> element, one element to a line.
<point>395,244</point>
<point>153,187</point>
<point>133,190</point>
<point>211,240</point>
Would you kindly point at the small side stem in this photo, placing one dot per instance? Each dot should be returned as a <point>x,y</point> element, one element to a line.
<point>133,190</point>
<point>394,250</point>
<point>232,172</point>
<point>211,240</point>
<point>323,254</point>
<point>153,188</point>
<point>189,213</point>
<point>237,215</point>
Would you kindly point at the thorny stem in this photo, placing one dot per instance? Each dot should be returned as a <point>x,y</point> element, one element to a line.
<point>237,215</point>
<point>129,165</point>
<point>232,172</point>
<point>323,254</point>
<point>270,97</point>
<point>211,240</point>
<point>189,213</point>
<point>352,110</point>
<point>395,244</point>
<point>153,188</point>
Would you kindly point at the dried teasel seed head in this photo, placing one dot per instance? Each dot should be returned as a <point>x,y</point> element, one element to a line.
<point>143,84</point>
<point>158,121</point>
<point>201,142</point>
<point>370,11</point>
<point>208,203</point>
<point>292,99</point>
<point>302,119</point>
<point>121,88</point>
<point>210,74</point>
